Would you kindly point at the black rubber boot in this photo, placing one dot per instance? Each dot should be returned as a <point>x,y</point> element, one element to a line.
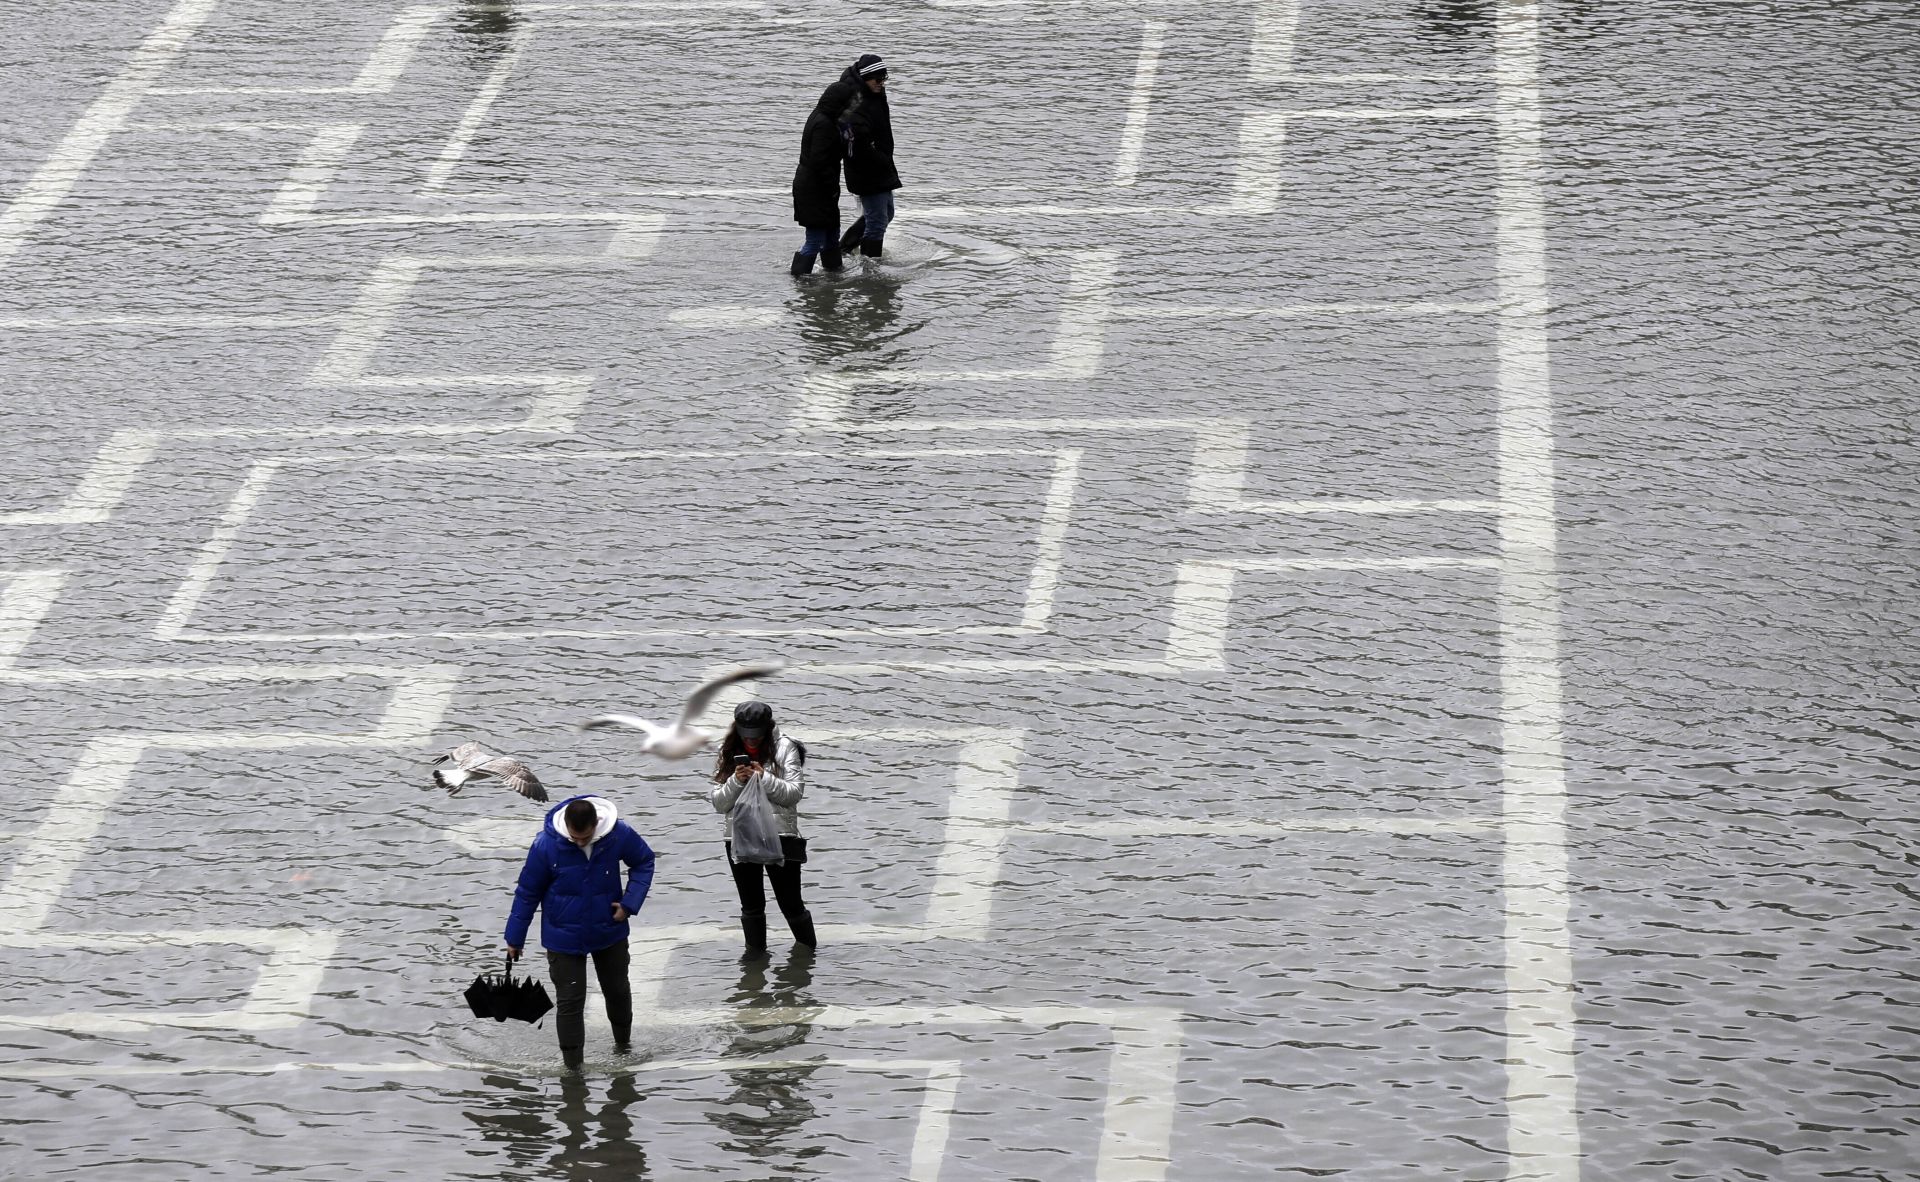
<point>830,259</point>
<point>802,924</point>
<point>802,264</point>
<point>754,927</point>
<point>623,1038</point>
<point>855,233</point>
<point>870,248</point>
<point>573,1057</point>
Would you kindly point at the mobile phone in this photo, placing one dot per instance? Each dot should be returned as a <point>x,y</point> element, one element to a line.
<point>740,759</point>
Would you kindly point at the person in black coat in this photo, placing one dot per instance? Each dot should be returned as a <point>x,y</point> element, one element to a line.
<point>816,181</point>
<point>867,126</point>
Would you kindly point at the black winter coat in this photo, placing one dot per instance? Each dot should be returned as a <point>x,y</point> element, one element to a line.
<point>816,182</point>
<point>868,126</point>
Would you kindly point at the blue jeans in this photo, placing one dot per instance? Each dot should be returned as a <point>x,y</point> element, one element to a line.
<point>878,209</point>
<point>820,238</point>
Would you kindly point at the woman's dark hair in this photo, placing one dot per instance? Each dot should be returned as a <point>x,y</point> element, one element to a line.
<point>734,745</point>
<point>581,816</point>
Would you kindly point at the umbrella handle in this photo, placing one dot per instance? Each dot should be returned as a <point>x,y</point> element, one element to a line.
<point>509,973</point>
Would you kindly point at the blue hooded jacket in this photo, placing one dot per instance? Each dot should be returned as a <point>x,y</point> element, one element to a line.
<point>576,889</point>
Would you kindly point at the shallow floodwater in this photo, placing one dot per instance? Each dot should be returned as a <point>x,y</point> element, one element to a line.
<point>1339,637</point>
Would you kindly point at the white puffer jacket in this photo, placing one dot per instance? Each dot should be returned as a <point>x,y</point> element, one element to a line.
<point>785,782</point>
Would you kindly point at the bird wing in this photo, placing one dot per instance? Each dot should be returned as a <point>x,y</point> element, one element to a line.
<point>470,757</point>
<point>697,700</point>
<point>632,722</point>
<point>517,776</point>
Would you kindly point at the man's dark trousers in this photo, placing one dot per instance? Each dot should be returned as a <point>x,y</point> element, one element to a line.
<point>569,973</point>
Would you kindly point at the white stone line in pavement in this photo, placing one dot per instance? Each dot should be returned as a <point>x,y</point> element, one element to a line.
<point>935,1123</point>
<point>171,320</point>
<point>1133,137</point>
<point>1293,311</point>
<point>728,316</point>
<point>296,201</point>
<point>1203,597</point>
<point>1197,623</point>
<point>206,564</point>
<point>1261,151</point>
<point>1036,604</point>
<point>1143,1066</point>
<point>1218,482</point>
<point>311,175</point>
<point>1270,58</point>
<point>1383,79</point>
<point>42,871</point>
<point>1263,137</point>
<point>476,113</point>
<point>1055,517</point>
<point>552,409</point>
<point>384,66</point>
<point>1208,827</point>
<point>1390,113</point>
<point>1543,1138</point>
<point>386,289</point>
<point>55,178</point>
<point>1219,462</point>
<point>282,994</point>
<point>25,598</point>
<point>1220,446</point>
<point>1136,1126</point>
<point>901,1066</point>
<point>986,779</point>
<point>100,489</point>
<point>200,125</point>
<point>694,6</point>
<point>1079,339</point>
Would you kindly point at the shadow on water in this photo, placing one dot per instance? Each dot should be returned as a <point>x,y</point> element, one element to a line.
<point>576,1139</point>
<point>768,1105</point>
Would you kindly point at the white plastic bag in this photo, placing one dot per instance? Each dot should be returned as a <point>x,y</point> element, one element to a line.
<point>756,830</point>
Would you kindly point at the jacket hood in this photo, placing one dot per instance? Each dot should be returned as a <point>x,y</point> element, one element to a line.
<point>556,820</point>
<point>835,98</point>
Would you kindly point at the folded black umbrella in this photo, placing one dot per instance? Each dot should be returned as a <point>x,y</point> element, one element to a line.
<point>499,996</point>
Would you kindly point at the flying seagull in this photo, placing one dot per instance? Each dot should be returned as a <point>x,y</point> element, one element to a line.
<point>683,738</point>
<point>471,761</point>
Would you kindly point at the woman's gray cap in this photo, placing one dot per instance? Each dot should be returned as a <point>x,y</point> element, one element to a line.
<point>753,719</point>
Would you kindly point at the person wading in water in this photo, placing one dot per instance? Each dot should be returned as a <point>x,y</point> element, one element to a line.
<point>867,126</point>
<point>755,754</point>
<point>816,180</point>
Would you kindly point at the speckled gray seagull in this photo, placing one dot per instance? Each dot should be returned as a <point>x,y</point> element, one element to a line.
<point>471,761</point>
<point>683,738</point>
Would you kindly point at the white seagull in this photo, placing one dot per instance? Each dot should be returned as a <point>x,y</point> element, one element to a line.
<point>471,761</point>
<point>682,739</point>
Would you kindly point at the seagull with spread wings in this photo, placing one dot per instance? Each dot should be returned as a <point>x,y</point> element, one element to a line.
<point>471,761</point>
<point>683,739</point>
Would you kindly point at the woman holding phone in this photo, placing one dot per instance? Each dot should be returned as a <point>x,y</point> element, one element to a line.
<point>756,753</point>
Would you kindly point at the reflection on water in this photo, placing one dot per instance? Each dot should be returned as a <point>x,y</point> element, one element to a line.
<point>485,27</point>
<point>769,1106</point>
<point>849,322</point>
<point>588,1135</point>
<point>1457,19</point>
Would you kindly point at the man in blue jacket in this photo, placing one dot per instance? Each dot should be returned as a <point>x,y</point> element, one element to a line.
<point>573,876</point>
